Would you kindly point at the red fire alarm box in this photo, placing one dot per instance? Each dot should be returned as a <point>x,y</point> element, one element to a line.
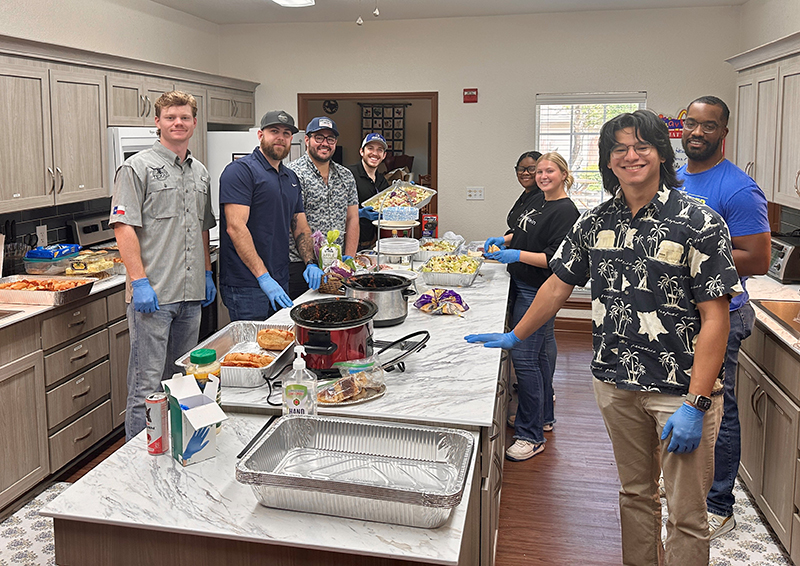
<point>430,225</point>
<point>470,95</point>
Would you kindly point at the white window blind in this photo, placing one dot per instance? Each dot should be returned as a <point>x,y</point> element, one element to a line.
<point>570,124</point>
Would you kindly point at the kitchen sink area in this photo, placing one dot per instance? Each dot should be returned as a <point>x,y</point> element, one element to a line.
<point>785,313</point>
<point>7,313</point>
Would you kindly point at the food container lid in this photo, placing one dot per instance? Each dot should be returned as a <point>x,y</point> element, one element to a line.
<point>203,356</point>
<point>48,259</point>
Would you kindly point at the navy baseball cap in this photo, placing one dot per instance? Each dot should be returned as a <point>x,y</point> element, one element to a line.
<point>280,118</point>
<point>374,138</point>
<point>321,123</point>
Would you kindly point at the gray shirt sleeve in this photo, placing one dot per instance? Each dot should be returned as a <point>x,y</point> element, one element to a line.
<point>126,203</point>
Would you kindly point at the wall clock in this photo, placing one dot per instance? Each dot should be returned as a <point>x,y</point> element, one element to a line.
<point>330,106</point>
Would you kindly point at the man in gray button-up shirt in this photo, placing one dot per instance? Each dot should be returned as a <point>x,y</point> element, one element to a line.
<point>161,212</point>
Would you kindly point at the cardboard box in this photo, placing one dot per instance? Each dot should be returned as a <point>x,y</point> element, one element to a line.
<point>193,415</point>
<point>401,174</point>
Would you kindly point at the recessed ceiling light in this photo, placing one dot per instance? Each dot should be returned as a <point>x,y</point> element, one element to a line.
<point>294,3</point>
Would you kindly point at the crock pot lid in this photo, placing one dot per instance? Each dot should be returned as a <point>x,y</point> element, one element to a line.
<point>377,282</point>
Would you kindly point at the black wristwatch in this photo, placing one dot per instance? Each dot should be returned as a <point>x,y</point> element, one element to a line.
<point>699,401</point>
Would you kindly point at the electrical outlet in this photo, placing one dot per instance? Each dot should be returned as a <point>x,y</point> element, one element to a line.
<point>474,193</point>
<point>41,234</point>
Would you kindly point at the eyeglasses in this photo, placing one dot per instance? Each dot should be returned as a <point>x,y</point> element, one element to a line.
<point>530,169</point>
<point>708,127</point>
<point>643,149</point>
<point>319,138</point>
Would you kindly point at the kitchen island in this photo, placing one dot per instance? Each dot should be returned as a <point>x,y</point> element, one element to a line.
<point>136,508</point>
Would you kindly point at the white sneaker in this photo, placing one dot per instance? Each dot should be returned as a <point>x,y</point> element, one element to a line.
<point>523,450</point>
<point>548,427</point>
<point>719,525</point>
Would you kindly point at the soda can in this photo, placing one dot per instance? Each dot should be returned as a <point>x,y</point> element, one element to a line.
<point>156,414</point>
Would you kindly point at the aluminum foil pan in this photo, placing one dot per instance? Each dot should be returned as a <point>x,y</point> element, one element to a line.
<point>49,298</point>
<point>375,471</point>
<point>240,336</point>
<point>440,279</point>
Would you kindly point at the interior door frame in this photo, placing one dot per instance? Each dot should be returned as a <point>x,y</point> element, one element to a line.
<point>305,97</point>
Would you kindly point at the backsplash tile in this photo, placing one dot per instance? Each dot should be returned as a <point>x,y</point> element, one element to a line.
<point>790,219</point>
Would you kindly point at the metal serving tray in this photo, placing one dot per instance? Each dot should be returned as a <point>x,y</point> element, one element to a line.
<point>375,200</point>
<point>240,336</point>
<point>441,279</point>
<point>425,255</point>
<point>48,298</point>
<point>375,471</point>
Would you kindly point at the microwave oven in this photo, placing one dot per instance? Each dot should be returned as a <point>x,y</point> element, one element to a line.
<point>126,141</point>
<point>784,263</point>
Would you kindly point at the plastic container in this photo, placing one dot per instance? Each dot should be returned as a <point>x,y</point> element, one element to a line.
<point>87,263</point>
<point>300,388</point>
<point>47,266</point>
<point>203,362</point>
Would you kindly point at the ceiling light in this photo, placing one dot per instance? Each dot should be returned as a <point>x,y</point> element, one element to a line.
<point>294,3</point>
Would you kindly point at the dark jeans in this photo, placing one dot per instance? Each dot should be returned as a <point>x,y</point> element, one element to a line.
<point>533,368</point>
<point>297,285</point>
<point>728,449</point>
<point>246,303</point>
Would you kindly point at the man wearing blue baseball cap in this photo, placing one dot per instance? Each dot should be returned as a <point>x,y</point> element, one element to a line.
<point>329,196</point>
<point>369,183</point>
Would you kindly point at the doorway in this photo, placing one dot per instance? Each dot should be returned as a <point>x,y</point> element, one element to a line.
<point>421,128</point>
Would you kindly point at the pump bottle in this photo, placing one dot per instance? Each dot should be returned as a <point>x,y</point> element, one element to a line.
<point>300,388</point>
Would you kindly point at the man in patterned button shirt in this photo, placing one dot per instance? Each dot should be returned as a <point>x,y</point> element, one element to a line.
<point>662,277</point>
<point>330,196</point>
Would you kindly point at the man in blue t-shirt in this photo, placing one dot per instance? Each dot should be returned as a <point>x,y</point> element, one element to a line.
<point>260,205</point>
<point>721,185</point>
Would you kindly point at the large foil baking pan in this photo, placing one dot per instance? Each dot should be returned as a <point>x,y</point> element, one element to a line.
<point>371,470</point>
<point>240,336</point>
<point>49,298</point>
<point>442,279</point>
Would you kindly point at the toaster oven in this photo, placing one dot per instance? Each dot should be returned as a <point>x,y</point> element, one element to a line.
<point>784,263</point>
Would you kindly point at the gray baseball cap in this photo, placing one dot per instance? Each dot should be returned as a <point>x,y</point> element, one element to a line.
<point>280,118</point>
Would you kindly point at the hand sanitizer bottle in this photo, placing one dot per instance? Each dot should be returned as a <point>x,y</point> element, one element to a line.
<point>300,388</point>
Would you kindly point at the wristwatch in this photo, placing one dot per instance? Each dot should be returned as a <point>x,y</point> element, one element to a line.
<point>699,401</point>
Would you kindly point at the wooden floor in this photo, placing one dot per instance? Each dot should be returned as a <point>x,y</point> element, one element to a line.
<point>560,507</point>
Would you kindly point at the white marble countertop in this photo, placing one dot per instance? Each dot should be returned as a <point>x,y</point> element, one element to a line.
<point>134,489</point>
<point>28,311</point>
<point>766,288</point>
<point>450,382</point>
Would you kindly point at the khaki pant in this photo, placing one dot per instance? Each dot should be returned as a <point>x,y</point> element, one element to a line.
<point>635,420</point>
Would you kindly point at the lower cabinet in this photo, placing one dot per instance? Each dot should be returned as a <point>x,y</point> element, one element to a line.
<point>119,348</point>
<point>23,420</point>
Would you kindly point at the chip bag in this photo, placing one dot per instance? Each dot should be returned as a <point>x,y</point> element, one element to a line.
<point>330,251</point>
<point>441,301</point>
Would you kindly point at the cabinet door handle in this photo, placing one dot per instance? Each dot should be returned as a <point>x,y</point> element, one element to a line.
<point>52,176</point>
<point>79,356</point>
<point>78,439</point>
<point>796,187</point>
<point>496,428</point>
<point>235,108</point>
<point>757,395</point>
<point>82,393</point>
<point>60,174</point>
<point>149,105</point>
<point>77,322</point>
<point>144,106</point>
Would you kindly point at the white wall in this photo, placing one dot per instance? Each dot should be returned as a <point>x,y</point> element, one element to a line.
<point>763,21</point>
<point>675,55</point>
<point>139,29</point>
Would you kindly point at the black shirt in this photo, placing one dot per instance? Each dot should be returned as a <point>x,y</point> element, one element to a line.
<point>519,207</point>
<point>366,189</point>
<point>540,227</point>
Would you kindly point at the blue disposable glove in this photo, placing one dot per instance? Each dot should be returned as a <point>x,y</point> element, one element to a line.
<point>686,425</point>
<point>495,340</point>
<point>277,296</point>
<point>196,443</point>
<point>211,290</point>
<point>505,256</point>
<point>346,257</point>
<point>144,297</point>
<point>313,276</point>
<point>368,213</point>
<point>499,241</point>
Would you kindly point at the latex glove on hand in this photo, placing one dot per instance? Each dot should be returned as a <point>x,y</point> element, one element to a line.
<point>144,297</point>
<point>368,213</point>
<point>277,296</point>
<point>505,256</point>
<point>313,276</point>
<point>495,340</point>
<point>499,241</point>
<point>211,290</point>
<point>686,426</point>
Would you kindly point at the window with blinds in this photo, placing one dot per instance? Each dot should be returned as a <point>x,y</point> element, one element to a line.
<point>570,124</point>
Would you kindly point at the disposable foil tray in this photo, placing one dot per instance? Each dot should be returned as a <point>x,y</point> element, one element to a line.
<point>425,255</point>
<point>442,279</point>
<point>240,336</point>
<point>371,470</point>
<point>49,298</point>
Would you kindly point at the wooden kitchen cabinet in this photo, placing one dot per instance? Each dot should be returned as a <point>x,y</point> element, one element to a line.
<point>119,347</point>
<point>23,419</point>
<point>228,106</point>
<point>748,378</point>
<point>787,157</point>
<point>132,98</point>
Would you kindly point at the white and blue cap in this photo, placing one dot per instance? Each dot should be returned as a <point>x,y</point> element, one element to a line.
<point>373,137</point>
<point>321,123</point>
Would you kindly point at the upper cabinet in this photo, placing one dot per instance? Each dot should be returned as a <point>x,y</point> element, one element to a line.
<point>228,106</point>
<point>197,145</point>
<point>132,98</point>
<point>787,158</point>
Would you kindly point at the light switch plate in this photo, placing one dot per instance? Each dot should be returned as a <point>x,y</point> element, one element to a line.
<point>474,193</point>
<point>41,233</point>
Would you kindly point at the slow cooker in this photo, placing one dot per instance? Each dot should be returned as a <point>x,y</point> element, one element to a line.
<point>389,292</point>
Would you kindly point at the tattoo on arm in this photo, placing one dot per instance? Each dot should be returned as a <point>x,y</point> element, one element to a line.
<point>305,246</point>
<point>293,225</point>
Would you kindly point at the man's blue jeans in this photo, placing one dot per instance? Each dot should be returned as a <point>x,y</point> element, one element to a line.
<point>534,370</point>
<point>246,303</point>
<point>727,450</point>
<point>157,340</point>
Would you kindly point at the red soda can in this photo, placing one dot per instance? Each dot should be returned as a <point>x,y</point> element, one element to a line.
<point>156,413</point>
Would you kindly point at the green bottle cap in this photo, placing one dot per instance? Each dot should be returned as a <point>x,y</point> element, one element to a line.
<point>203,356</point>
